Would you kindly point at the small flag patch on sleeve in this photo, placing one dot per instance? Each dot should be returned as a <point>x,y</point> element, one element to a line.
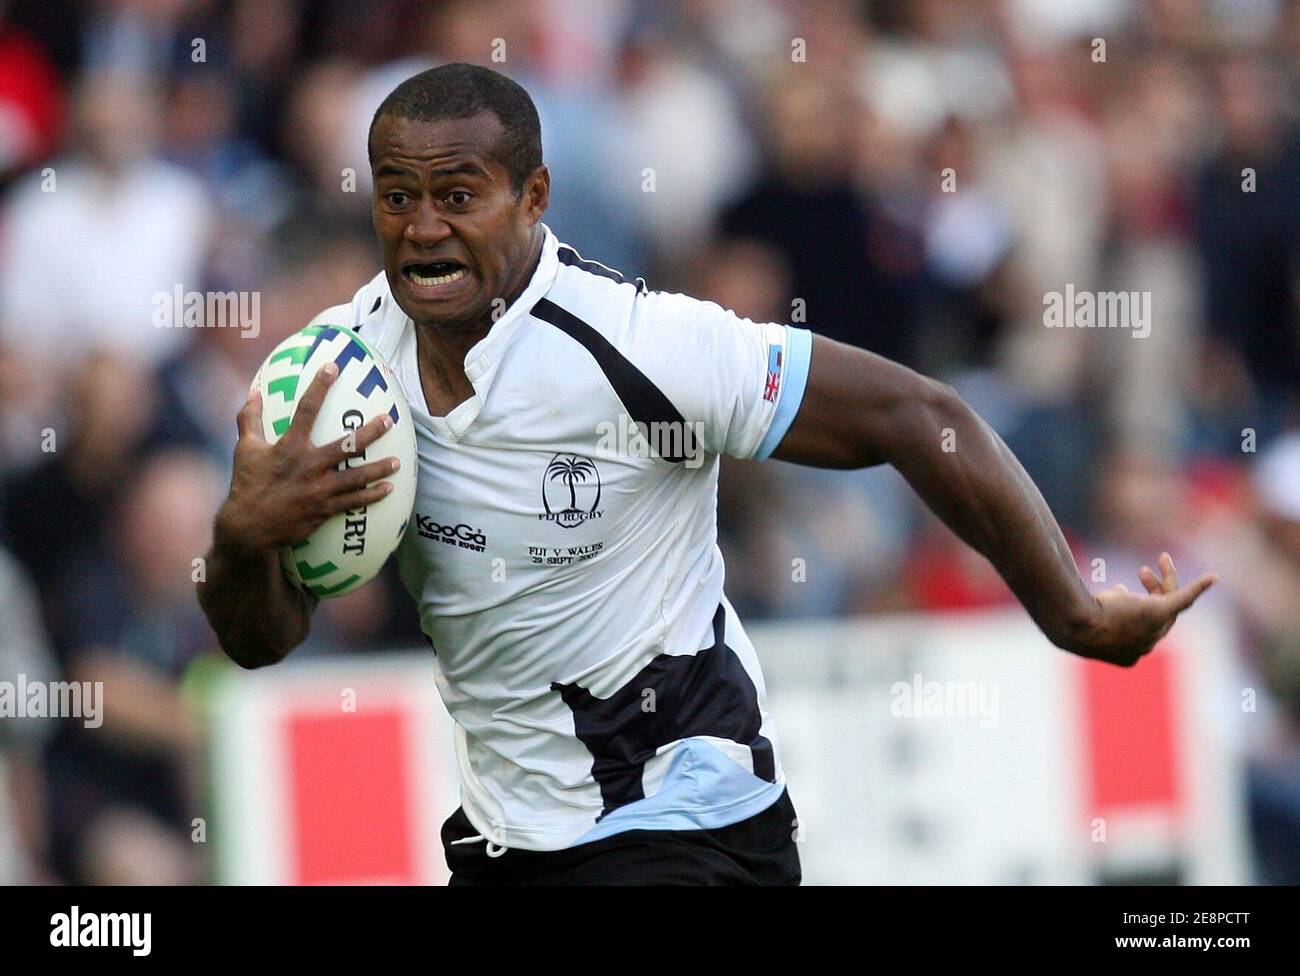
<point>773,385</point>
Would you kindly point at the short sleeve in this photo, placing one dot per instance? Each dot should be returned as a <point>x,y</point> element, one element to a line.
<point>739,382</point>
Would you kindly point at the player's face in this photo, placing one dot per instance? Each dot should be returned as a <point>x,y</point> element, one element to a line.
<point>455,236</point>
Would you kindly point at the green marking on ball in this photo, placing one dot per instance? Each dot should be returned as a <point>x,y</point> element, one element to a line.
<point>309,572</point>
<point>356,337</point>
<point>343,330</point>
<point>320,589</point>
<point>296,355</point>
<point>281,425</point>
<point>286,386</point>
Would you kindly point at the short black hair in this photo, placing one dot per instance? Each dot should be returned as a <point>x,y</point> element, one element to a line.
<point>460,91</point>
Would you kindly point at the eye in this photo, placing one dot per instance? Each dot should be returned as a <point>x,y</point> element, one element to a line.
<point>459,198</point>
<point>397,198</point>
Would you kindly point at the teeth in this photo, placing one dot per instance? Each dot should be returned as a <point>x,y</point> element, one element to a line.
<point>420,279</point>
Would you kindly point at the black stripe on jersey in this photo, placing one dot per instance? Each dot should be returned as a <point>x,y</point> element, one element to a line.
<point>706,693</point>
<point>568,256</point>
<point>375,307</point>
<point>644,402</point>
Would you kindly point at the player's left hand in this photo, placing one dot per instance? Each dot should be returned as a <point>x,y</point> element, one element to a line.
<point>1129,625</point>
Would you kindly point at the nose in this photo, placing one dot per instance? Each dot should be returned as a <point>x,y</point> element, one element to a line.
<point>426,226</point>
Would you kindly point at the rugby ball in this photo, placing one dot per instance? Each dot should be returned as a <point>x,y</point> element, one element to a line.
<point>350,548</point>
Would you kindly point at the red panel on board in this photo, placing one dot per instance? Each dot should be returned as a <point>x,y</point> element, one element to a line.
<point>1130,737</point>
<point>351,810</point>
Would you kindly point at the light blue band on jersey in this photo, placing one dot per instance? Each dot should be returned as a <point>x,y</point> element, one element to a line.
<point>798,357</point>
<point>704,789</point>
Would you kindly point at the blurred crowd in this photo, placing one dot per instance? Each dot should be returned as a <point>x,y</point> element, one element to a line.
<point>910,176</point>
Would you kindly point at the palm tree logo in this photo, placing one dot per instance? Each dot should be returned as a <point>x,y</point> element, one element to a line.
<point>573,472</point>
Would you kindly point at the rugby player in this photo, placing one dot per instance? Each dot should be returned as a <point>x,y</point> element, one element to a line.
<point>609,709</point>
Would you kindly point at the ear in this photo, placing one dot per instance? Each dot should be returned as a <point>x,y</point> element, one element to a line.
<point>536,195</point>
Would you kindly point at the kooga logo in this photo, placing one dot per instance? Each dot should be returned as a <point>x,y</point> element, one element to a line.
<point>102,929</point>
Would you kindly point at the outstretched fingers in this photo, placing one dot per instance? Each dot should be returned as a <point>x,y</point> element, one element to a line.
<point>361,498</point>
<point>304,417</point>
<point>355,443</point>
<point>354,479</point>
<point>1180,600</point>
<point>1163,582</point>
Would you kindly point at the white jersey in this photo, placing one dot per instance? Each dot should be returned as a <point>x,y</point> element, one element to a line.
<point>566,568</point>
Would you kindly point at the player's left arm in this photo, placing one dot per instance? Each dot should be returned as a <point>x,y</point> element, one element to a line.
<point>860,409</point>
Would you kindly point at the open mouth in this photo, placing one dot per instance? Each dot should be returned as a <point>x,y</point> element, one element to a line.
<point>435,273</point>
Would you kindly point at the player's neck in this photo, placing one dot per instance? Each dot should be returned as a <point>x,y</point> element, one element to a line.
<point>442,373</point>
<point>441,349</point>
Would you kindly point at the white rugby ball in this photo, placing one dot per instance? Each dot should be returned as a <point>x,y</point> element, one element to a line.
<point>349,548</point>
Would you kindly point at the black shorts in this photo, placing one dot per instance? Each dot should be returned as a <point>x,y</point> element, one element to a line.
<point>757,851</point>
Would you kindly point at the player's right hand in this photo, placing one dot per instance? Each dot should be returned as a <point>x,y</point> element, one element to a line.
<point>280,493</point>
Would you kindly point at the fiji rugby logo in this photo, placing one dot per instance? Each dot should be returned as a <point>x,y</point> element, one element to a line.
<point>570,490</point>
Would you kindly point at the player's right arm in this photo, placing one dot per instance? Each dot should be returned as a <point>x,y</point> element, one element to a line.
<point>279,494</point>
